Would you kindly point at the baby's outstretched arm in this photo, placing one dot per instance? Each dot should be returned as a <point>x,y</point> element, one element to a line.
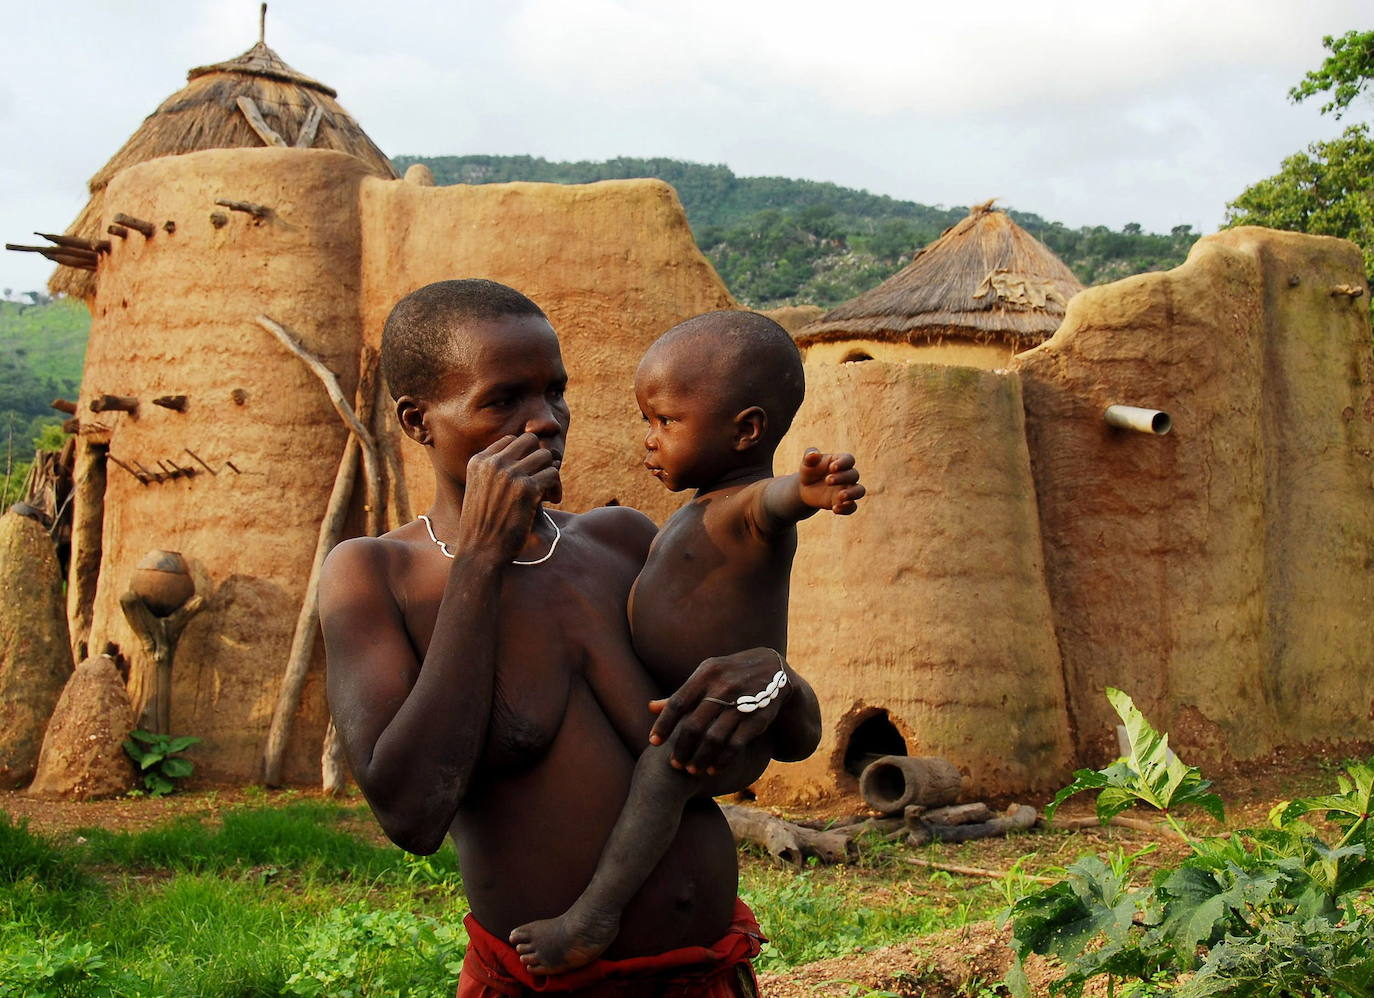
<point>824,481</point>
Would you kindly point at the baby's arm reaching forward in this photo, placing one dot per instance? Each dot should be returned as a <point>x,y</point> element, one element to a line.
<point>824,481</point>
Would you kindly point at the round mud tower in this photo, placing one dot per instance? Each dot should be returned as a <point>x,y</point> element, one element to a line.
<point>177,315</point>
<point>35,659</point>
<point>930,601</point>
<point>83,755</point>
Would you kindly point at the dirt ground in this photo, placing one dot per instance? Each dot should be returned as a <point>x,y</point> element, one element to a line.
<point>962,961</point>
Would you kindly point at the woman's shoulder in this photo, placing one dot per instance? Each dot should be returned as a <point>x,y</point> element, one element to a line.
<point>364,564</point>
<point>619,527</point>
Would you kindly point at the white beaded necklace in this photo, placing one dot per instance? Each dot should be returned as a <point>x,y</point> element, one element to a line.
<point>557,536</point>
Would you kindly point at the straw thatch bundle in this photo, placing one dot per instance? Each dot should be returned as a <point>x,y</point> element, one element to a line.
<point>205,114</point>
<point>985,279</point>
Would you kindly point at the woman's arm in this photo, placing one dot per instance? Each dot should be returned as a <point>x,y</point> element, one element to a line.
<point>414,730</point>
<point>704,734</point>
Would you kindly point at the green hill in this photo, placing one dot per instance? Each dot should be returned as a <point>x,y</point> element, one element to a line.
<point>777,241</point>
<point>41,350</point>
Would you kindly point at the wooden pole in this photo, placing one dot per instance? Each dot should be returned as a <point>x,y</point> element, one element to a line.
<point>258,211</point>
<point>114,403</point>
<point>398,510</point>
<point>138,224</point>
<point>258,123</point>
<point>333,764</point>
<point>306,137</point>
<point>336,396</point>
<point>975,871</point>
<point>307,621</point>
<point>336,514</point>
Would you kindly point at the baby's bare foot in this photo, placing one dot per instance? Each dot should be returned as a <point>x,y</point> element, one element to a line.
<point>573,939</point>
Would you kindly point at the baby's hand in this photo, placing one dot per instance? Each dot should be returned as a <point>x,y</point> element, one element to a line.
<point>829,481</point>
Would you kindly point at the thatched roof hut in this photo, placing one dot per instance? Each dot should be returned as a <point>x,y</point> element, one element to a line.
<point>985,280</point>
<point>212,112</point>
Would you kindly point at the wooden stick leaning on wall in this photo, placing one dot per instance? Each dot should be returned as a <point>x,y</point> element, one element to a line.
<point>331,528</point>
<point>333,765</point>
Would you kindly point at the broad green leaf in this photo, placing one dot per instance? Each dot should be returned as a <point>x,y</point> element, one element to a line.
<point>146,737</point>
<point>177,769</point>
<point>1083,779</point>
<point>1194,910</point>
<point>152,758</point>
<point>182,743</point>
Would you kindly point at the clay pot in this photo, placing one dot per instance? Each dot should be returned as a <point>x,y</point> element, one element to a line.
<point>163,581</point>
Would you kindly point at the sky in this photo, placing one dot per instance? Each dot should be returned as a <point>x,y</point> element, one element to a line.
<point>1087,113</point>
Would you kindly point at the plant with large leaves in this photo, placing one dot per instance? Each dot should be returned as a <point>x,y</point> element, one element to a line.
<point>1274,912</point>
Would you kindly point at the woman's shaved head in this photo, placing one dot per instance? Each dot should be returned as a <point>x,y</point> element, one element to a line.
<point>419,332</point>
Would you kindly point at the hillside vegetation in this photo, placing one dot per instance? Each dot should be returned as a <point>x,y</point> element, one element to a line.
<point>777,241</point>
<point>41,350</point>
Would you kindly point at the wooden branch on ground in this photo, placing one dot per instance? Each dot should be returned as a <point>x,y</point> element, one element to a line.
<point>1018,817</point>
<point>258,123</point>
<point>1119,821</point>
<point>975,871</point>
<point>788,842</point>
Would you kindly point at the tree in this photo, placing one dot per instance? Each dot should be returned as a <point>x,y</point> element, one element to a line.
<point>1328,189</point>
<point>1346,72</point>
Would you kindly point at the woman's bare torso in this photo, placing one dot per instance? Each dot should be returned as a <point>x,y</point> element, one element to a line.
<point>569,716</point>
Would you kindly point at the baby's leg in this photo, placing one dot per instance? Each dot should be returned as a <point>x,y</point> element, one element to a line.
<point>641,836</point>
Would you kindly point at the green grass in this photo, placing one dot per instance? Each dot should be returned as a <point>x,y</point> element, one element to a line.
<point>272,901</point>
<point>296,899</point>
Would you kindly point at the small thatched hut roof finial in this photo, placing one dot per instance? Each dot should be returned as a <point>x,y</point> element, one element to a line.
<point>985,279</point>
<point>209,113</point>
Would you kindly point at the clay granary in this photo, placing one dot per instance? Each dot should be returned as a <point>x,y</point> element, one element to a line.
<point>985,290</point>
<point>1015,554</point>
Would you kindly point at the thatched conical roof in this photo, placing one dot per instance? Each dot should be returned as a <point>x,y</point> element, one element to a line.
<point>985,279</point>
<point>205,114</point>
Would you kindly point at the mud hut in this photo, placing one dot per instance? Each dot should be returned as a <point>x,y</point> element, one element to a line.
<point>985,290</point>
<point>253,100</point>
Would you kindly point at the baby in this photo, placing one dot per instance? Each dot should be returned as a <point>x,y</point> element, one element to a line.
<point>718,392</point>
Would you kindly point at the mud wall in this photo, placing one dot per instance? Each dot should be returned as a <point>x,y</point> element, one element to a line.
<point>174,314</point>
<point>929,603</point>
<point>613,264</point>
<point>1221,574</point>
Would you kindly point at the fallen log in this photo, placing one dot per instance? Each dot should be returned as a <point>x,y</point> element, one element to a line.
<point>958,814</point>
<point>788,842</point>
<point>1017,817</point>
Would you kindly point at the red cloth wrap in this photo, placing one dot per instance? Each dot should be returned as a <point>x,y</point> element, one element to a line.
<point>492,968</point>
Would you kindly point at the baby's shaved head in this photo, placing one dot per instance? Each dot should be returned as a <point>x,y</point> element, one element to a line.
<point>419,331</point>
<point>741,358</point>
